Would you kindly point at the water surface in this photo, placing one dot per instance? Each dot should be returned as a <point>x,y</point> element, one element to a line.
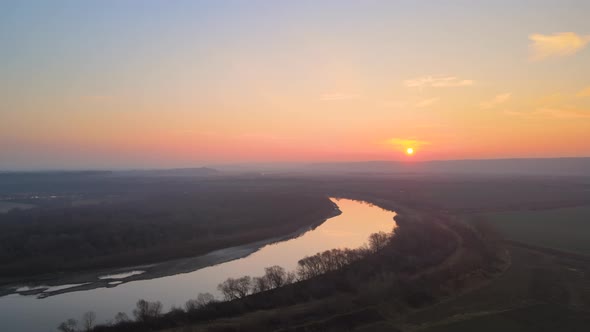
<point>350,229</point>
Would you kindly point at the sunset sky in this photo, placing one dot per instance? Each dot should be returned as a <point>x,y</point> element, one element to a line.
<point>115,84</point>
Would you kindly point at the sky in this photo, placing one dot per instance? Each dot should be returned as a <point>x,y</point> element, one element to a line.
<point>142,84</point>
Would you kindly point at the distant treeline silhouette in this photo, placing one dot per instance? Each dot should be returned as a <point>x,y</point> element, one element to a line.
<point>148,229</point>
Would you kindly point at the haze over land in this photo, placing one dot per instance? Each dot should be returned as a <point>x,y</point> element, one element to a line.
<point>522,166</point>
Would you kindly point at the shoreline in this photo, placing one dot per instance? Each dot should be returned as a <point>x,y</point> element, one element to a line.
<point>91,280</point>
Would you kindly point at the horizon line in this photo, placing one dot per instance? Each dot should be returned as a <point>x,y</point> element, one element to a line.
<point>301,163</point>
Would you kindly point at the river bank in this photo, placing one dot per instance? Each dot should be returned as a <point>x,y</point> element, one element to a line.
<point>54,284</point>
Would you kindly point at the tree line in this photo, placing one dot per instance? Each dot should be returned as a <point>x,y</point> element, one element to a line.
<point>148,229</point>
<point>238,288</point>
<point>383,270</point>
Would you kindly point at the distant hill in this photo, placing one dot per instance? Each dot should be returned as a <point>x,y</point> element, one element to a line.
<point>540,166</point>
<point>195,171</point>
<point>57,173</point>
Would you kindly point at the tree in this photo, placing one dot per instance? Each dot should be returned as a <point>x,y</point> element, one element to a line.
<point>191,305</point>
<point>291,277</point>
<point>69,325</point>
<point>121,317</point>
<point>88,320</point>
<point>276,276</point>
<point>309,267</point>
<point>378,241</point>
<point>243,286</point>
<point>235,288</point>
<point>329,260</point>
<point>260,284</point>
<point>145,310</point>
<point>202,300</point>
<point>226,288</point>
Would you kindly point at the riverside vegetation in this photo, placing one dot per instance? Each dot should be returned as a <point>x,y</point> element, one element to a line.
<point>427,257</point>
<point>148,228</point>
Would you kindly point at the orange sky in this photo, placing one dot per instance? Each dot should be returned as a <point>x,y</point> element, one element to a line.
<point>191,84</point>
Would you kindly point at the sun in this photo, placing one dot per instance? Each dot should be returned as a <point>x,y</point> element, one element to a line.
<point>410,151</point>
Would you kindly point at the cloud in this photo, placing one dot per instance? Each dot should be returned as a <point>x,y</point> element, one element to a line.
<point>556,45</point>
<point>497,100</point>
<point>339,96</point>
<point>584,92</point>
<point>437,82</point>
<point>551,113</point>
<point>426,102</point>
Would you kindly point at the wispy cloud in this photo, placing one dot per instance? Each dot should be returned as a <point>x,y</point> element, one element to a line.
<point>335,96</point>
<point>551,113</point>
<point>584,92</point>
<point>497,100</point>
<point>426,102</point>
<point>556,45</point>
<point>437,82</point>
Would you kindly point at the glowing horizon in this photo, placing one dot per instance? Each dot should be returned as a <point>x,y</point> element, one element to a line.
<point>107,84</point>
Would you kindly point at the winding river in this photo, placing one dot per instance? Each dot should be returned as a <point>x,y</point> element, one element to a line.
<point>350,229</point>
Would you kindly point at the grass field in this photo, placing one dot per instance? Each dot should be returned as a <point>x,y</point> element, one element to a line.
<point>539,317</point>
<point>7,206</point>
<point>539,292</point>
<point>565,229</point>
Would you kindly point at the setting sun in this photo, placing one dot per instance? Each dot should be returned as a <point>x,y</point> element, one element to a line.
<point>374,144</point>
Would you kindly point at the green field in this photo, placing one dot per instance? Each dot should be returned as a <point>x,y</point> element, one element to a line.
<point>565,229</point>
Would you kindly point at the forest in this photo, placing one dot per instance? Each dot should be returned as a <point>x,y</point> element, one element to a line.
<point>148,229</point>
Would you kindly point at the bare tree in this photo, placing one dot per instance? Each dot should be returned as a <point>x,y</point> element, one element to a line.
<point>70,325</point>
<point>329,260</point>
<point>260,284</point>
<point>243,286</point>
<point>202,300</point>
<point>235,288</point>
<point>291,277</point>
<point>276,276</point>
<point>309,267</point>
<point>145,310</point>
<point>378,241</point>
<point>226,288</point>
<point>121,317</point>
<point>191,305</point>
<point>88,320</point>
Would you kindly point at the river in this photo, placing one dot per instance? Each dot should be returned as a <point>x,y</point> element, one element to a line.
<point>350,229</point>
